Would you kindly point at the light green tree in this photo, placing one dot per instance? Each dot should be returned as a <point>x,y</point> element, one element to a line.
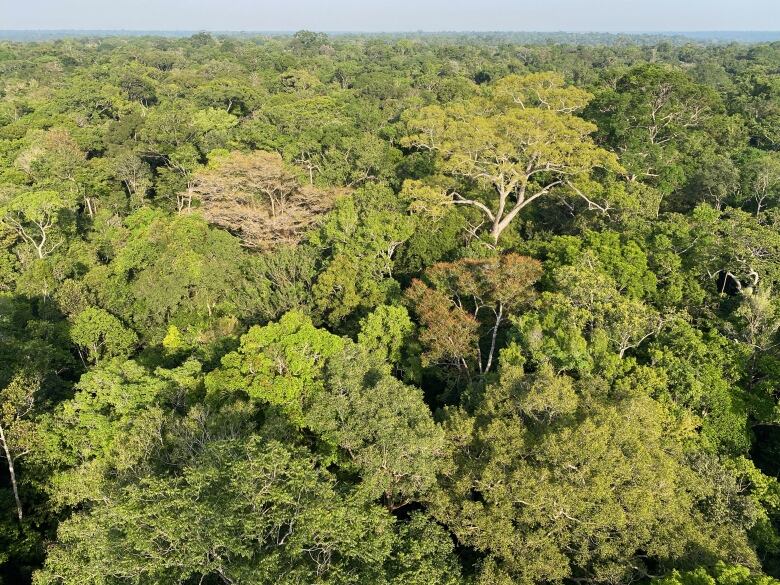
<point>523,144</point>
<point>18,405</point>
<point>721,574</point>
<point>36,217</point>
<point>101,335</point>
<point>279,364</point>
<point>388,332</point>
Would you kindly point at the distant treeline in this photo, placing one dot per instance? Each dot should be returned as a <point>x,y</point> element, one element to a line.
<point>521,37</point>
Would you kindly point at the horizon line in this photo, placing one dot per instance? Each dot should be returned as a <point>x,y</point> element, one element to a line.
<point>568,31</point>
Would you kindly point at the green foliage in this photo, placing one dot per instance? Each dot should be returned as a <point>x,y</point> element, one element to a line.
<point>549,485</point>
<point>722,574</point>
<point>172,270</point>
<point>522,145</point>
<point>279,364</point>
<point>37,217</point>
<point>101,335</point>
<point>702,372</point>
<point>392,309</point>
<point>361,237</point>
<point>655,115</point>
<point>284,278</point>
<point>382,425</point>
<point>424,555</point>
<point>388,333</point>
<point>251,511</point>
<point>109,425</point>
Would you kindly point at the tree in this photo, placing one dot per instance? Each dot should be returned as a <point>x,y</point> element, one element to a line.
<point>654,118</point>
<point>732,249</point>
<point>758,99</point>
<point>17,404</point>
<point>307,41</point>
<point>383,426</point>
<point>360,239</point>
<point>590,323</point>
<point>424,555</point>
<point>518,145</point>
<point>144,461</point>
<point>721,574</point>
<point>388,332</point>
<point>449,334</point>
<point>101,335</point>
<point>240,510</point>
<point>284,277</point>
<point>172,269</point>
<point>112,426</point>
<point>36,216</point>
<point>546,90</point>
<point>257,197</point>
<point>53,161</point>
<point>465,296</point>
<point>701,372</point>
<point>762,179</point>
<point>135,175</point>
<point>550,482</point>
<point>626,322</point>
<point>756,324</point>
<point>280,364</point>
<point>354,161</point>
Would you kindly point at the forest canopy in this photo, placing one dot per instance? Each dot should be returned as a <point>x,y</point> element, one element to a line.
<point>394,310</point>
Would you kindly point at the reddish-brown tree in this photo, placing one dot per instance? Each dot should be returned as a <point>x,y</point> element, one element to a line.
<point>463,302</point>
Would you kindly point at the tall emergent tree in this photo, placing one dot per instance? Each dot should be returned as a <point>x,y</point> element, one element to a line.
<point>518,144</point>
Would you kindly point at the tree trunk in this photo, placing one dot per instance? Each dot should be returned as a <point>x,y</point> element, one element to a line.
<point>88,204</point>
<point>495,232</point>
<point>12,473</point>
<point>493,338</point>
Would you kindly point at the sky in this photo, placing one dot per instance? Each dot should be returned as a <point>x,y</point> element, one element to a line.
<point>393,15</point>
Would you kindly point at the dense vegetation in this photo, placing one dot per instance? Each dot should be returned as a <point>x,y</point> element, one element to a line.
<point>363,310</point>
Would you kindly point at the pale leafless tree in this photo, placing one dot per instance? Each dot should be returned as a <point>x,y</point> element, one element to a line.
<point>259,198</point>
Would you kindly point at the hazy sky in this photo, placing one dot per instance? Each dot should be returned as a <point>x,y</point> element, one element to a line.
<point>393,15</point>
